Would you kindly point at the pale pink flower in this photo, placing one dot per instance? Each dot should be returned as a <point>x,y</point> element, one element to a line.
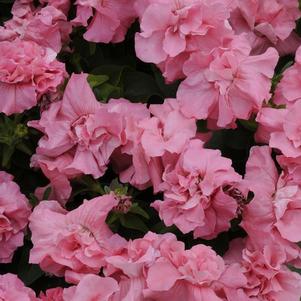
<point>14,214</point>
<point>228,84</point>
<point>74,243</point>
<point>273,216</point>
<point>13,289</point>
<point>195,192</point>
<point>171,30</point>
<point>92,288</point>
<point>110,22</point>
<point>36,24</point>
<point>267,23</point>
<point>27,71</point>
<point>267,276</point>
<point>80,134</point>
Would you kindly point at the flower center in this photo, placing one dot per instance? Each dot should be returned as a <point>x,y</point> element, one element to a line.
<point>79,131</point>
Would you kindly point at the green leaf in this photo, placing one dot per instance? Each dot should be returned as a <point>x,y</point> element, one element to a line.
<point>131,221</point>
<point>114,72</point>
<point>7,154</point>
<point>47,193</point>
<point>106,91</point>
<point>138,210</point>
<point>24,148</point>
<point>140,86</point>
<point>96,80</point>
<point>33,200</point>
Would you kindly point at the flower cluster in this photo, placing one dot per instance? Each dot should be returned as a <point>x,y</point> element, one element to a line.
<point>121,200</point>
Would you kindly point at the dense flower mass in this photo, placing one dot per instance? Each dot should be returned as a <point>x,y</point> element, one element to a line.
<point>150,150</point>
<point>14,214</point>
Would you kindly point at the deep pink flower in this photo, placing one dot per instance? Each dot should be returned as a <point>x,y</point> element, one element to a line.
<point>195,196</point>
<point>171,30</point>
<point>13,289</point>
<point>14,214</point>
<point>227,84</point>
<point>74,243</point>
<point>110,21</point>
<point>80,134</point>
<point>27,71</point>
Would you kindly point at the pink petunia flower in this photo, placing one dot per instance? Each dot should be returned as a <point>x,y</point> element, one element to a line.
<point>14,214</point>
<point>267,277</point>
<point>52,294</point>
<point>36,24</point>
<point>151,142</point>
<point>288,91</point>
<point>267,23</point>
<point>80,134</point>
<point>228,84</point>
<point>74,243</point>
<point>27,71</point>
<point>195,192</point>
<point>283,128</point>
<point>171,30</point>
<point>13,289</point>
<point>110,22</point>
<point>273,216</point>
<point>92,288</point>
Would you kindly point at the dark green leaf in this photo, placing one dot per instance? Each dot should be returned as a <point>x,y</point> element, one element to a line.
<point>131,221</point>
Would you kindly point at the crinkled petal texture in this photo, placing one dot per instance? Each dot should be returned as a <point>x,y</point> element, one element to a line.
<point>52,294</point>
<point>14,214</point>
<point>196,194</point>
<point>110,22</point>
<point>171,30</point>
<point>92,288</point>
<point>13,289</point>
<point>80,134</point>
<point>27,71</point>
<point>74,243</point>
<point>288,91</point>
<point>158,266</point>
<point>273,215</point>
<point>267,277</point>
<point>282,128</point>
<point>266,23</point>
<point>229,84</point>
<point>37,23</point>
